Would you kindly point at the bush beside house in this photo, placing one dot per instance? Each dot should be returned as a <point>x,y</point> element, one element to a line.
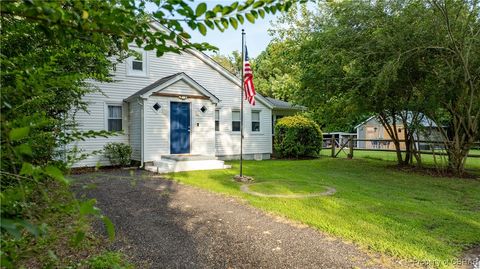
<point>119,154</point>
<point>297,136</point>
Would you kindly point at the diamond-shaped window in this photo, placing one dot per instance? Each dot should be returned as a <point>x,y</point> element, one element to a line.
<point>156,106</point>
<point>203,109</point>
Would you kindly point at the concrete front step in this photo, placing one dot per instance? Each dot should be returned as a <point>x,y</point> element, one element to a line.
<point>170,164</point>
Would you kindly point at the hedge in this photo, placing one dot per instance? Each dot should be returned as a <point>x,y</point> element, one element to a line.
<point>297,136</point>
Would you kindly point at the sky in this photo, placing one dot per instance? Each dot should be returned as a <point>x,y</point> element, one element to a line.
<point>257,37</point>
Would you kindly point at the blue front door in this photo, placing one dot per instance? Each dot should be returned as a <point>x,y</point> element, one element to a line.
<point>179,128</point>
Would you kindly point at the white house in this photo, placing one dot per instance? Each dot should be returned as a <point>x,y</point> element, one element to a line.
<point>176,104</point>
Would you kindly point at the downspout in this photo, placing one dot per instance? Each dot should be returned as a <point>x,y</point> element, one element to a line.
<point>142,133</point>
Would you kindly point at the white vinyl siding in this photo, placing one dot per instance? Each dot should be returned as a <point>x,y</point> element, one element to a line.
<point>135,127</point>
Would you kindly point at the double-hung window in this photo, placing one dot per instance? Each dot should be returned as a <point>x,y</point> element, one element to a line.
<point>255,121</point>
<point>236,121</point>
<point>114,120</point>
<point>217,120</point>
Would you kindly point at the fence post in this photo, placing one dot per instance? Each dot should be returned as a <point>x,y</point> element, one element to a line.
<point>350,145</point>
<point>332,142</point>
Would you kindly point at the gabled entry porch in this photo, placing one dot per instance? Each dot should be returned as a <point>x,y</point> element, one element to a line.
<point>173,116</point>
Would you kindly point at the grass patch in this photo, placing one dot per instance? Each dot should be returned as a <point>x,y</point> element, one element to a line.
<point>108,260</point>
<point>405,215</point>
<point>285,187</point>
<point>473,163</point>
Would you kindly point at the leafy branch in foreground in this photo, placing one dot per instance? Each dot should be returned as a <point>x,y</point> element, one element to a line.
<point>50,52</point>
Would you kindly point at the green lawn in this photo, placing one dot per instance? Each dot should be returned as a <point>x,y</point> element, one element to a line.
<point>473,163</point>
<point>405,215</point>
<point>288,187</point>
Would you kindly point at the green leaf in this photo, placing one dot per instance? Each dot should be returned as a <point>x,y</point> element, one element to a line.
<point>19,133</point>
<point>23,149</point>
<point>224,22</point>
<point>233,22</point>
<point>250,17</point>
<point>11,227</point>
<point>219,26</point>
<point>31,228</point>
<point>149,47</point>
<point>202,28</point>
<point>15,227</point>
<point>185,35</point>
<point>262,13</point>
<point>226,10</point>
<point>234,5</point>
<point>200,10</point>
<point>240,18</point>
<point>79,236</point>
<point>55,173</point>
<point>217,8</point>
<point>27,169</point>
<point>210,15</point>
<point>109,227</point>
<point>258,4</point>
<point>88,208</point>
<point>210,24</point>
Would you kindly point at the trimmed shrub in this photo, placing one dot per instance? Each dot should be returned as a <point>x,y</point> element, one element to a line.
<point>118,153</point>
<point>297,136</point>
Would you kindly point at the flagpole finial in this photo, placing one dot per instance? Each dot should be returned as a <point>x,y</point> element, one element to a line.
<point>243,31</point>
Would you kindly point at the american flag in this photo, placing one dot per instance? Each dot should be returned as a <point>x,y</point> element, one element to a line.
<point>248,80</point>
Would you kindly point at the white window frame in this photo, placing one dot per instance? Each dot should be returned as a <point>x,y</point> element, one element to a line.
<point>107,115</point>
<point>239,120</point>
<point>129,64</point>
<point>259,121</point>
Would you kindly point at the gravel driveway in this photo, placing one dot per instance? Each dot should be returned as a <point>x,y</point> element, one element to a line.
<point>163,224</point>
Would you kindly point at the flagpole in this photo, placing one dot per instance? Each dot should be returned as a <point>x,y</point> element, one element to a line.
<point>241,104</point>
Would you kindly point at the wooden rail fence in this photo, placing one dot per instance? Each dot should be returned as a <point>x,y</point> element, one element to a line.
<point>351,143</point>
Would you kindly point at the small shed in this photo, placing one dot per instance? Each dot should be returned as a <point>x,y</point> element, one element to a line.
<point>373,130</point>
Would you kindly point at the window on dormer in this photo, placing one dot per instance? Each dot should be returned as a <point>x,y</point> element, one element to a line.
<point>137,64</point>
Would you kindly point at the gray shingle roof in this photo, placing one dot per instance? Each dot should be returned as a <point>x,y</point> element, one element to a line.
<point>279,104</point>
<point>423,120</point>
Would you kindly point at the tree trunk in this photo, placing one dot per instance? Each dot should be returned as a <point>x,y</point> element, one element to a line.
<point>392,132</point>
<point>456,160</point>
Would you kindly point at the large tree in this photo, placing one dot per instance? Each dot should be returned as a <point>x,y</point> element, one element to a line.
<point>232,62</point>
<point>394,59</point>
<point>455,74</point>
<point>50,51</point>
